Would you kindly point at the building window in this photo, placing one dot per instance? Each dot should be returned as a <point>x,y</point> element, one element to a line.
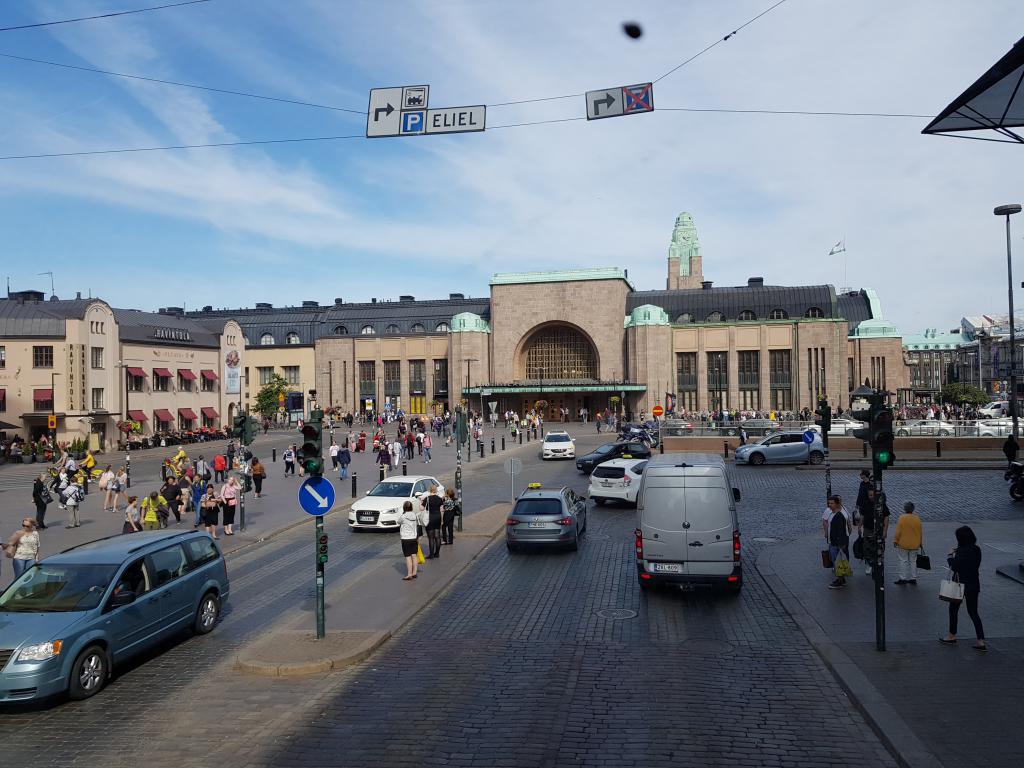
<point>417,328</point>
<point>814,312</point>
<point>367,378</point>
<point>42,357</point>
<point>291,374</point>
<point>3,400</point>
<point>367,330</point>
<point>816,381</point>
<point>417,378</point>
<point>97,399</point>
<point>780,379</point>
<point>747,315</point>
<point>714,317</point>
<point>266,339</point>
<point>264,374</point>
<point>750,380</point>
<point>560,353</point>
<point>686,380</point>
<point>718,380</point>
<point>292,338</point>
<point>440,376</point>
<point>161,383</point>
<point>184,384</point>
<point>684,318</point>
<point>392,329</point>
<point>96,357</point>
<point>417,404</point>
<point>778,314</point>
<point>392,378</point>
<point>135,383</point>
<point>207,384</point>
<point>42,400</point>
<point>3,357</point>
<point>850,379</point>
<point>442,328</point>
<point>340,330</point>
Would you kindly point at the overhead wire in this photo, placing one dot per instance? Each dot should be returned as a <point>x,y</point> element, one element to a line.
<point>102,15</point>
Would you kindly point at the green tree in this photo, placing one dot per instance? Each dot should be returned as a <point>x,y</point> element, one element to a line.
<point>963,394</point>
<point>267,399</point>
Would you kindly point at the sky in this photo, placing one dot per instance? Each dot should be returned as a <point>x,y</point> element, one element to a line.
<point>357,218</point>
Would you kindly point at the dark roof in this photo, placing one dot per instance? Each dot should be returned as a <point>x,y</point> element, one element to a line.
<point>37,319</point>
<point>161,328</point>
<point>855,307</point>
<point>312,323</point>
<point>731,301</point>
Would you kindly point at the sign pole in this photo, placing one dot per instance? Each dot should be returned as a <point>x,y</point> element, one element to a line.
<point>320,631</point>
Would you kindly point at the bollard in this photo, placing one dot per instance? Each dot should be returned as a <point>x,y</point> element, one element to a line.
<point>492,445</point>
<point>938,449</point>
<point>661,447</point>
<point>864,450</point>
<point>382,473</point>
<point>405,468</point>
<point>503,442</point>
<point>725,449</point>
<point>481,444</point>
<point>353,485</point>
<point>273,455</point>
<point>527,435</point>
<point>520,437</point>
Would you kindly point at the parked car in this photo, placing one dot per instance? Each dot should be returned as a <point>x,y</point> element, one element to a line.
<point>843,427</point>
<point>554,518</point>
<point>995,428</point>
<point>558,445</point>
<point>70,619</point>
<point>687,528</point>
<point>925,427</point>
<point>995,409</point>
<point>753,427</point>
<point>635,449</point>
<point>782,448</point>
<point>677,428</point>
<point>380,507</point>
<point>616,480</point>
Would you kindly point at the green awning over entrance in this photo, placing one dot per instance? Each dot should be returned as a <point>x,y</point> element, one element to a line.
<point>554,387</point>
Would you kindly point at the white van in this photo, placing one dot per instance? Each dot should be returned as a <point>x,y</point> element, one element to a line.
<point>995,409</point>
<point>687,529</point>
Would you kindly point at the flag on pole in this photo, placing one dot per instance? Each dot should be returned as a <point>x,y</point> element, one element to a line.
<point>839,247</point>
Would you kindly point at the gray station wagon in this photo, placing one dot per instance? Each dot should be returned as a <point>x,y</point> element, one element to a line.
<point>69,619</point>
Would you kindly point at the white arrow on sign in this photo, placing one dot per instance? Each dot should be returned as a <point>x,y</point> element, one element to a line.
<point>321,501</point>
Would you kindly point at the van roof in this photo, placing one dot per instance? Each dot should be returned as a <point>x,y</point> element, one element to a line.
<point>685,459</point>
<point>116,549</point>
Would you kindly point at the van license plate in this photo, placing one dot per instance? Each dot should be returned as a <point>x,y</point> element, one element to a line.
<point>667,567</point>
<point>536,525</point>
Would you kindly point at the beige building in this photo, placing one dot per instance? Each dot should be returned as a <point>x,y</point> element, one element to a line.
<point>88,365</point>
<point>295,363</point>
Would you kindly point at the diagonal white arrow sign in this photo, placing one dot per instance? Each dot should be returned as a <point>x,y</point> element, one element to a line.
<point>321,501</point>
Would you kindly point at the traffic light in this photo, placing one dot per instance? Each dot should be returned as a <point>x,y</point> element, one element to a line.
<point>311,453</point>
<point>321,548</point>
<point>238,426</point>
<point>882,454</point>
<point>824,414</point>
<point>248,430</point>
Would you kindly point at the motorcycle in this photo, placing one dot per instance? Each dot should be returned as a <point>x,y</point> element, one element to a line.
<point>1014,477</point>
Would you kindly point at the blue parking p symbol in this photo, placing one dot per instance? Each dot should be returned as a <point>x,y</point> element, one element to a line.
<point>413,122</point>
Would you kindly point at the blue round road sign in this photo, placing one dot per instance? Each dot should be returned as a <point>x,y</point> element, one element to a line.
<point>316,496</point>
<point>809,436</point>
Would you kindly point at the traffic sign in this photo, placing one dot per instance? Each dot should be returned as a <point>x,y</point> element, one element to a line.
<point>280,397</point>
<point>809,436</point>
<point>51,422</point>
<point>622,100</point>
<point>456,119</point>
<point>415,96</point>
<point>384,115</point>
<point>316,495</point>
<point>413,122</point>
<point>657,411</point>
<point>513,466</point>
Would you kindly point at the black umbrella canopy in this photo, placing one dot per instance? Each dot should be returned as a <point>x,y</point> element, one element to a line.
<point>994,103</point>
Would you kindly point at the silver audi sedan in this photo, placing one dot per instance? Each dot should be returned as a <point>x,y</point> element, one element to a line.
<point>550,518</point>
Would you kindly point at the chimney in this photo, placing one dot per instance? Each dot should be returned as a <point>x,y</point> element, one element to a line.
<point>338,302</point>
<point>706,285</point>
<point>311,303</point>
<point>373,301</point>
<point>264,305</point>
<point>78,294</point>
<point>755,282</point>
<point>407,298</point>
<point>454,296</point>
<point>208,308</point>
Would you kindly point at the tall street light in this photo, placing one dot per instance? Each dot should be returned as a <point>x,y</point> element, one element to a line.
<point>1008,211</point>
<point>53,409</point>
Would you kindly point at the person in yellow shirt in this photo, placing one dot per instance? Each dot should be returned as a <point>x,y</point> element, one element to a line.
<point>151,511</point>
<point>908,542</point>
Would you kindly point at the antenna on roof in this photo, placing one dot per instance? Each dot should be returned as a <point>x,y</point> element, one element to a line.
<point>50,273</point>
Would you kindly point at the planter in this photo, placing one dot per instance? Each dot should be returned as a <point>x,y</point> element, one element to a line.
<point>30,458</point>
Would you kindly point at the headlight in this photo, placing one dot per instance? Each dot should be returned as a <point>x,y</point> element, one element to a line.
<point>40,652</point>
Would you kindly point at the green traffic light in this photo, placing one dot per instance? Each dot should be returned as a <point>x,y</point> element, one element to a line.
<point>883,457</point>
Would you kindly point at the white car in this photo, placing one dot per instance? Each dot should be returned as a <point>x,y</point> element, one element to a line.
<point>995,409</point>
<point>618,479</point>
<point>925,428</point>
<point>558,445</point>
<point>380,507</point>
<point>844,427</point>
<point>995,428</point>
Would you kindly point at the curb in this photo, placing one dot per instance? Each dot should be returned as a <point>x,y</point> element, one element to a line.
<point>893,731</point>
<point>959,467</point>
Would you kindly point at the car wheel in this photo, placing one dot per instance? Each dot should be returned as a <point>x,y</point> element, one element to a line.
<point>207,614</point>
<point>817,457</point>
<point>88,673</point>
<point>849,433</point>
<point>902,433</point>
<point>1017,491</point>
<point>757,459</point>
<point>943,433</point>
<point>599,501</point>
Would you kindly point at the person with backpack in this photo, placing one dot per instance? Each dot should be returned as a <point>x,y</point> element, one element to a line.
<point>289,461</point>
<point>199,486</point>
<point>154,511</point>
<point>449,511</point>
<point>71,497</point>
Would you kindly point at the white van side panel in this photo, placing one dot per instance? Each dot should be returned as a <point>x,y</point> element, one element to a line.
<point>662,516</point>
<point>709,537</point>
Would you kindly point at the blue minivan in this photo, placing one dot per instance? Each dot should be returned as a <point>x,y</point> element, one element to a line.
<point>69,619</point>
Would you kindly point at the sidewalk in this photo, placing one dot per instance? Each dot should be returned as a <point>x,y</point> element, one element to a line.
<point>933,705</point>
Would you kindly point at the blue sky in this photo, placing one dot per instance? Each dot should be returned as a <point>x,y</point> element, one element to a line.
<point>364,218</point>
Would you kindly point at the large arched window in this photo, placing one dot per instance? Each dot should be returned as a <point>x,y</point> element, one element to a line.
<point>686,317</point>
<point>714,317</point>
<point>814,312</point>
<point>560,353</point>
<point>417,328</point>
<point>266,339</point>
<point>367,330</point>
<point>778,314</point>
<point>392,329</point>
<point>442,328</point>
<point>747,315</point>
<point>340,330</point>
<point>292,338</point>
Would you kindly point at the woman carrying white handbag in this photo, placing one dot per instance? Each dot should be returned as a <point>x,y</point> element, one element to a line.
<point>964,562</point>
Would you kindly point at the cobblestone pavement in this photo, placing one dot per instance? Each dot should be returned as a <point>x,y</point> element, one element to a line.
<point>514,665</point>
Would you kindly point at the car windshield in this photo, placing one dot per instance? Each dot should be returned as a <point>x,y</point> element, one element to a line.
<point>389,488</point>
<point>56,587</point>
<point>538,507</point>
<point>558,439</point>
<point>608,448</point>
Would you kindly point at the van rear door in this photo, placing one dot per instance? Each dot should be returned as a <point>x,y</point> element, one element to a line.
<point>709,512</point>
<point>662,516</point>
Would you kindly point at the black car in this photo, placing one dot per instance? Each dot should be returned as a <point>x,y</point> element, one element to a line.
<point>609,451</point>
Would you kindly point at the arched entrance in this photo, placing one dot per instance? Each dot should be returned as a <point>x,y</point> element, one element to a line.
<point>557,361</point>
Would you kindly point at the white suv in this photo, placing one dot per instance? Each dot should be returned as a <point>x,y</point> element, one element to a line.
<point>617,479</point>
<point>558,445</point>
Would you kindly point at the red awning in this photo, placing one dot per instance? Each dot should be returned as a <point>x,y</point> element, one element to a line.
<point>136,372</point>
<point>208,374</point>
<point>162,372</point>
<point>138,416</point>
<point>210,413</point>
<point>187,413</point>
<point>42,395</point>
<point>186,374</point>
<point>162,414</point>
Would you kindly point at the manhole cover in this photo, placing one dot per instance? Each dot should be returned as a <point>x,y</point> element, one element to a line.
<point>766,540</point>
<point>616,614</point>
<point>707,646</point>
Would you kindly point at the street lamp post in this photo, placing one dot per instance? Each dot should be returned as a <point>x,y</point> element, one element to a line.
<point>53,409</point>
<point>1008,211</point>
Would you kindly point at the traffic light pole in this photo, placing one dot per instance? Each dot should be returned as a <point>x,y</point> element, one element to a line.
<point>878,567</point>
<point>320,631</point>
<point>825,412</point>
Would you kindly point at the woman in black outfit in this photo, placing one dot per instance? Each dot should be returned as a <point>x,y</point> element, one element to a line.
<point>38,487</point>
<point>433,504</point>
<point>965,562</point>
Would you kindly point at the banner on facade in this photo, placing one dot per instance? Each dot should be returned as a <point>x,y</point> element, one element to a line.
<point>232,373</point>
<point>670,402</point>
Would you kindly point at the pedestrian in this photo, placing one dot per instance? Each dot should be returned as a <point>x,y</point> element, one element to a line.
<point>220,465</point>
<point>120,487</point>
<point>419,444</point>
<point>23,547</point>
<point>344,459</point>
<point>258,476</point>
<point>72,497</point>
<point>289,461</point>
<point>874,533</point>
<point>203,468</point>
<point>132,516</point>
<point>837,526</point>
<point>384,456</point>
<point>152,513</point>
<point>171,492</point>
<point>433,504</point>
<point>109,494</point>
<point>743,436</point>
<point>449,510</point>
<point>210,506</point>
<point>908,541</point>
<point>862,496</point>
<point>229,499</point>
<point>334,451</point>
<point>409,522</point>
<point>1010,450</point>
<point>427,445</point>
<point>40,497</point>
<point>965,562</point>
<point>231,455</point>
<point>199,488</point>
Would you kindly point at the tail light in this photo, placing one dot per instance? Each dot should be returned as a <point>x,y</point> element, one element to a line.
<point>564,521</point>
<point>735,546</point>
<point>639,544</point>
<point>511,521</point>
<point>626,480</point>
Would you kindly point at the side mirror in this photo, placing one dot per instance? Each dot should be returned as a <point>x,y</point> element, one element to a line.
<point>735,494</point>
<point>123,598</point>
